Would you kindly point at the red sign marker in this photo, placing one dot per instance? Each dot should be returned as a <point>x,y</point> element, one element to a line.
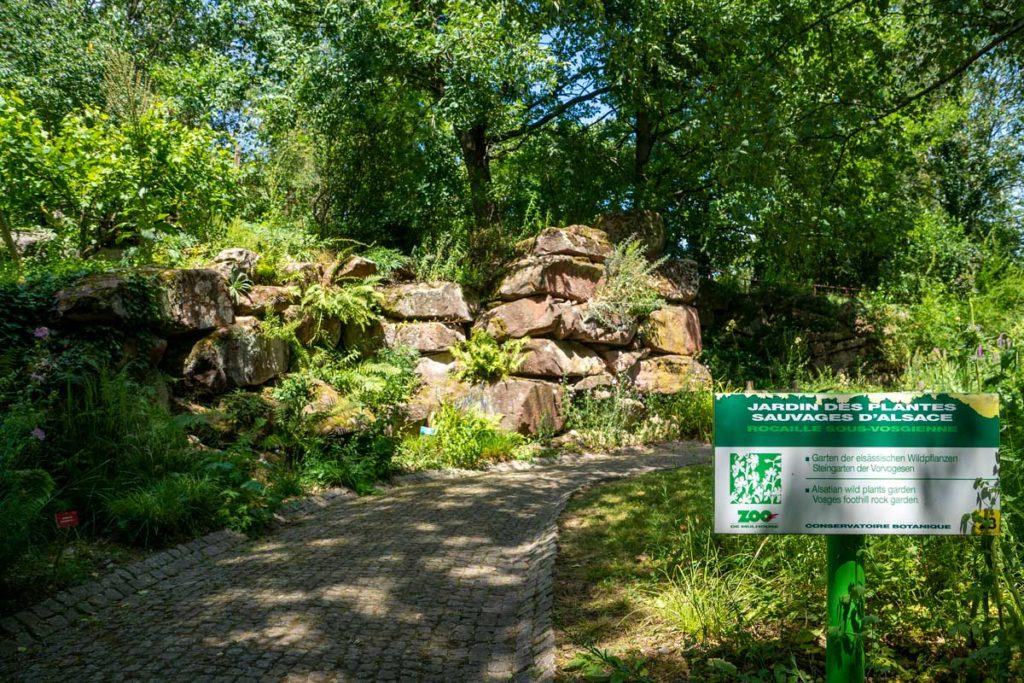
<point>66,519</point>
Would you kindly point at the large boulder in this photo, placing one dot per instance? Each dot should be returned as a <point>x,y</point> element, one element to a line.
<point>302,273</point>
<point>670,375</point>
<point>192,300</point>
<point>438,386</point>
<point>558,359</point>
<point>334,414</point>
<point>562,277</point>
<point>238,355</point>
<point>601,381</point>
<point>102,298</point>
<point>574,240</point>
<point>528,317</point>
<point>647,226</point>
<point>436,366</point>
<point>32,242</point>
<point>673,329</point>
<point>425,337</point>
<point>231,263</point>
<point>366,339</point>
<point>177,301</point>
<point>527,406</point>
<point>352,268</point>
<point>677,281</point>
<point>624,361</point>
<point>426,301</point>
<point>579,323</point>
<point>261,298</point>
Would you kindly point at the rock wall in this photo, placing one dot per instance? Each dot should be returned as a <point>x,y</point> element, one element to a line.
<point>215,340</point>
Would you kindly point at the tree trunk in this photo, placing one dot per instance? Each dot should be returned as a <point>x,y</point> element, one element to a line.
<point>643,129</point>
<point>478,168</point>
<point>8,238</point>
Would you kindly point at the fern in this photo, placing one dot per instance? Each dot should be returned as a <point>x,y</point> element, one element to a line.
<point>351,304</point>
<point>483,359</point>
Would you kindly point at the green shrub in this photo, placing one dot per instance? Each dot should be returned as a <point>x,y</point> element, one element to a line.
<point>627,292</point>
<point>482,359</point>
<point>606,418</point>
<point>23,495</point>
<point>439,259</point>
<point>101,184</point>
<point>358,463</point>
<point>618,415</point>
<point>389,261</point>
<point>463,439</point>
<point>380,385</point>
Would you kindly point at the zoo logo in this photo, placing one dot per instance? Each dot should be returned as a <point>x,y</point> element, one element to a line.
<point>747,516</point>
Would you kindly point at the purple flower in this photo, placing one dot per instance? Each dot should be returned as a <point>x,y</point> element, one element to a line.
<point>39,434</point>
<point>41,333</point>
<point>1001,341</point>
<point>980,352</point>
<point>36,377</point>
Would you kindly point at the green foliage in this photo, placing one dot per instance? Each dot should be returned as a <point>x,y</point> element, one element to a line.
<point>439,259</point>
<point>23,495</point>
<point>375,387</point>
<point>638,557</point>
<point>104,446</point>
<point>171,507</point>
<point>627,292</point>
<point>601,666</point>
<point>618,415</point>
<point>464,439</point>
<point>389,261</point>
<point>99,184</point>
<point>350,304</point>
<point>482,359</point>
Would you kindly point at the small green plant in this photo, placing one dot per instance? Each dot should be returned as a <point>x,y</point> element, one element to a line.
<point>463,438</point>
<point>388,261</point>
<point>354,304</point>
<point>238,286</point>
<point>601,666</point>
<point>482,359</point>
<point>627,293</point>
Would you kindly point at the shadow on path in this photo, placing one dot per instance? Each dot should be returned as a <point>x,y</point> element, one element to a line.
<point>443,581</point>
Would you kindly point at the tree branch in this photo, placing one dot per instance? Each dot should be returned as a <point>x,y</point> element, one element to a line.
<point>528,128</point>
<point>955,73</point>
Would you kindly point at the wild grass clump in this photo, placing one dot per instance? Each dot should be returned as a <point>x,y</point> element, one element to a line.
<point>465,439</point>
<point>618,415</point>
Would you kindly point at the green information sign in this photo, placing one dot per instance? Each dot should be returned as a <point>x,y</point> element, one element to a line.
<point>900,463</point>
<point>847,465</point>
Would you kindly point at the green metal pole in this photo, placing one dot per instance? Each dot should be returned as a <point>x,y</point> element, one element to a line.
<point>844,647</point>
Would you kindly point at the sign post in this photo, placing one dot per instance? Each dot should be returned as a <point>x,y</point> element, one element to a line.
<point>847,465</point>
<point>844,645</point>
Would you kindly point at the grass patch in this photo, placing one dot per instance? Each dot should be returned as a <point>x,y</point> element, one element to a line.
<point>640,576</point>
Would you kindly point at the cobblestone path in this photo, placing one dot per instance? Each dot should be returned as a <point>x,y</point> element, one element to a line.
<point>438,581</point>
